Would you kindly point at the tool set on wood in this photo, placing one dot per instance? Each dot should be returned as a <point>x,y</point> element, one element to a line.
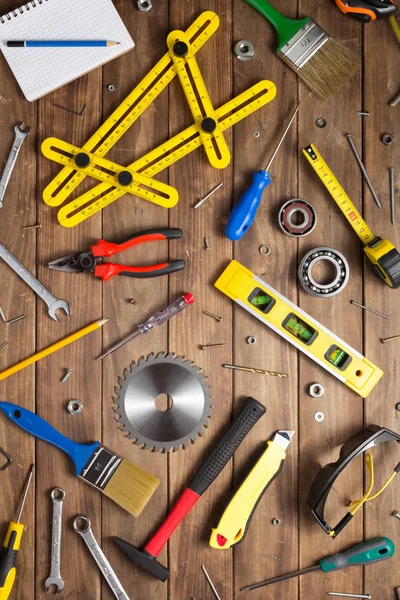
<point>324,66</point>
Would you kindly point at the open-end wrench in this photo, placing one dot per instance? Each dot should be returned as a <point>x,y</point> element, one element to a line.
<point>52,302</point>
<point>57,496</point>
<point>83,527</point>
<point>21,132</point>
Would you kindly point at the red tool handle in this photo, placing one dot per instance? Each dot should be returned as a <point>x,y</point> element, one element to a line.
<point>109,270</point>
<point>105,249</point>
<point>184,505</point>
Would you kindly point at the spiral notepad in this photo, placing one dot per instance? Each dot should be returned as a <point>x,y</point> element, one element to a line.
<point>42,70</point>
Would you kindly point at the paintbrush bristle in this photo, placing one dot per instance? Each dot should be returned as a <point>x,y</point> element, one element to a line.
<point>329,69</point>
<point>131,487</point>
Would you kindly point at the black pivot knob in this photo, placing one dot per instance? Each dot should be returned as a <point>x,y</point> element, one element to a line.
<point>125,178</point>
<point>82,160</point>
<point>180,49</point>
<point>208,125</point>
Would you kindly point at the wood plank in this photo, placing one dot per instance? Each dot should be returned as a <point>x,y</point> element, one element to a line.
<point>380,580</point>
<point>279,554</point>
<point>343,410</point>
<point>120,220</point>
<point>194,177</point>
<point>18,209</point>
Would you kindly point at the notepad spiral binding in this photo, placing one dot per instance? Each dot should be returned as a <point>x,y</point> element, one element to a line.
<point>21,9</point>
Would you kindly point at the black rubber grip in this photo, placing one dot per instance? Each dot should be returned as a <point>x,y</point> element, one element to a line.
<point>244,421</point>
<point>172,267</point>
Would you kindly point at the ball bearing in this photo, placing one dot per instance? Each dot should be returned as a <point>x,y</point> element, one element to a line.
<point>297,218</point>
<point>340,278</point>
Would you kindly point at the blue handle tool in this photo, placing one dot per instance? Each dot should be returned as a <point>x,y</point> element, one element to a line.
<point>244,212</point>
<point>27,420</point>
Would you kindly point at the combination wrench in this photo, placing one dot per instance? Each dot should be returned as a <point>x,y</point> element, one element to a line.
<point>21,132</point>
<point>52,302</point>
<point>82,526</point>
<point>57,496</point>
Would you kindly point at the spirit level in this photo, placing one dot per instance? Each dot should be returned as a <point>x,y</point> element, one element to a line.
<point>299,328</point>
<point>207,131</point>
<point>382,254</point>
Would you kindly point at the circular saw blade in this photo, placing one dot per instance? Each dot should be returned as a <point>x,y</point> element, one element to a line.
<point>188,390</point>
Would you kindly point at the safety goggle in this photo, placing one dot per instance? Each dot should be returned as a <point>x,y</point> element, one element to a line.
<point>326,477</point>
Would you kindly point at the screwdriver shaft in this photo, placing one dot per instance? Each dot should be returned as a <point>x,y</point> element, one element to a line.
<point>255,586</point>
<point>282,138</point>
<point>28,483</point>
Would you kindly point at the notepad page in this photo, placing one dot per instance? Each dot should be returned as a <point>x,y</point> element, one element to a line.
<point>42,70</point>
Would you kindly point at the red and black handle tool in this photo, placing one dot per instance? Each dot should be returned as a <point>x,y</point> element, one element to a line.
<point>145,558</point>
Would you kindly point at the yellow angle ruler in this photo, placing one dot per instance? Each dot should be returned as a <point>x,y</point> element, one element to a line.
<point>154,161</point>
<point>382,254</point>
<point>299,328</point>
<point>206,131</point>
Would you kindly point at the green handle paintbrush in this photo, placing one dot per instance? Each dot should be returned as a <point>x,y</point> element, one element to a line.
<point>323,64</point>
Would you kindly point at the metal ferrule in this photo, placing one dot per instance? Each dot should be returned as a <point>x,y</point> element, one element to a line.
<point>101,467</point>
<point>302,46</point>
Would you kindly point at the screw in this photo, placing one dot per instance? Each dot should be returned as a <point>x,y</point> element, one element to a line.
<point>389,339</point>
<point>3,345</point>
<point>206,244</point>
<point>15,320</point>
<point>32,226</point>
<point>202,200</point>
<point>252,370</point>
<point>219,319</point>
<point>111,87</point>
<point>395,100</point>
<point>369,309</point>
<point>391,188</point>
<point>212,586</point>
<point>203,347</point>
<point>276,521</point>
<point>67,374</point>
<point>396,514</point>
<point>368,596</point>
<point>273,557</point>
<point>132,301</point>
<point>363,114</point>
<point>363,170</point>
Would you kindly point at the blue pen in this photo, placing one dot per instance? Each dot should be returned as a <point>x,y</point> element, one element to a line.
<point>61,44</point>
<point>244,212</point>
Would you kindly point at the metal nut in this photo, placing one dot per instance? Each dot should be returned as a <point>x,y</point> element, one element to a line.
<point>398,406</point>
<point>387,139</point>
<point>316,390</point>
<point>144,5</point>
<point>319,416</point>
<point>244,50</point>
<point>396,514</point>
<point>75,407</point>
<point>276,521</point>
<point>111,87</point>
<point>251,340</point>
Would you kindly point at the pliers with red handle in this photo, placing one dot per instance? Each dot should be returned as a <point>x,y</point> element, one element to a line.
<point>82,262</point>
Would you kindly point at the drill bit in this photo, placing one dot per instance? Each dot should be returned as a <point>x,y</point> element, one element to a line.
<point>252,370</point>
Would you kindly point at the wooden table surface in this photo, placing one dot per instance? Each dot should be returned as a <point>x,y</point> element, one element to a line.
<point>267,550</point>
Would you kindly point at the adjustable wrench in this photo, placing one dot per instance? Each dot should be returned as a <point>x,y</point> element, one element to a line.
<point>57,496</point>
<point>52,302</point>
<point>83,527</point>
<point>21,132</point>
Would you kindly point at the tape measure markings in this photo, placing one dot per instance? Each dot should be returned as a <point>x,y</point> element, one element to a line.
<point>132,107</point>
<point>167,153</point>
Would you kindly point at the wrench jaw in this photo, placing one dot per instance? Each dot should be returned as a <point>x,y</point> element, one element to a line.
<point>54,581</point>
<point>22,129</point>
<point>59,304</point>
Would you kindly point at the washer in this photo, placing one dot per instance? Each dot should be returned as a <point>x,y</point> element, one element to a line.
<point>319,416</point>
<point>320,122</point>
<point>264,250</point>
<point>339,282</point>
<point>387,139</point>
<point>305,215</point>
<point>244,50</point>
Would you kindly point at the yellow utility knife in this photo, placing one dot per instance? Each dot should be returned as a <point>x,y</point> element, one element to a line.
<point>235,520</point>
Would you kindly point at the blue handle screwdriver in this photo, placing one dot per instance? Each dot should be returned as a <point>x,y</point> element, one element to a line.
<point>244,212</point>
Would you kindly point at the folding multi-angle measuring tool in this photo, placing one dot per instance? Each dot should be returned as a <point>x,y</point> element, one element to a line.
<point>299,328</point>
<point>137,178</point>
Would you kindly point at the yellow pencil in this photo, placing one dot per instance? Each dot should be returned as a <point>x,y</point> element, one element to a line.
<point>50,349</point>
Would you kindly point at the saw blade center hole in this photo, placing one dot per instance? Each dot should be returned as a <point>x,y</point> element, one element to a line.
<point>163,402</point>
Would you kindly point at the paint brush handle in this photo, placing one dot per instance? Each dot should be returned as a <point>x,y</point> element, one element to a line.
<point>285,28</point>
<point>35,425</point>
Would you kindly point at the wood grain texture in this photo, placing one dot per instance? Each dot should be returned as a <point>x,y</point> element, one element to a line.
<point>267,551</point>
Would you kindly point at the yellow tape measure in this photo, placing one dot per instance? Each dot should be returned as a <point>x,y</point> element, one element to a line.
<point>299,328</point>
<point>207,131</point>
<point>154,161</point>
<point>382,254</point>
